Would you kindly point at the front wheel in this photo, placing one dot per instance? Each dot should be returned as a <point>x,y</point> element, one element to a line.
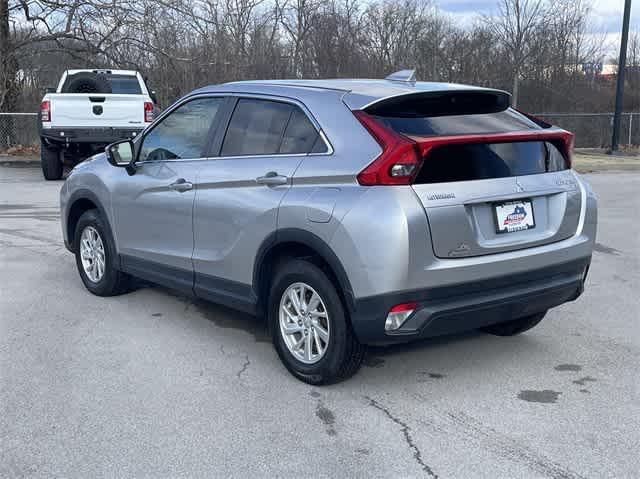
<point>309,327</point>
<point>95,253</point>
<point>515,326</point>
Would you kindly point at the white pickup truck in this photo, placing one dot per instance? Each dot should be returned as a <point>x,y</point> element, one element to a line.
<point>88,110</point>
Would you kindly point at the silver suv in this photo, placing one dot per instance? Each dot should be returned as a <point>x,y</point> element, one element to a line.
<point>347,212</point>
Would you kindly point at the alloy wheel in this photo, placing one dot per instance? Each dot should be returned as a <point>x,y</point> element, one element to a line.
<point>92,254</point>
<point>304,323</point>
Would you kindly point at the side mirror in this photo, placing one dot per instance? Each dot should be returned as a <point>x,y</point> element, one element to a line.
<point>122,154</point>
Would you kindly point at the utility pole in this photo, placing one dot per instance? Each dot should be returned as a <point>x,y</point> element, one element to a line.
<point>622,63</point>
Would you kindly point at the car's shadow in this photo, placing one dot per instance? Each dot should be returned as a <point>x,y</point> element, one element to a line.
<point>430,358</point>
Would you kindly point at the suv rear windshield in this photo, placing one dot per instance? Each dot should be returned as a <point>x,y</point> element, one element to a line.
<point>89,82</point>
<point>482,161</point>
<point>481,123</point>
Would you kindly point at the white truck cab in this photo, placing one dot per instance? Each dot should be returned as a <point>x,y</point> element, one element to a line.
<point>88,110</point>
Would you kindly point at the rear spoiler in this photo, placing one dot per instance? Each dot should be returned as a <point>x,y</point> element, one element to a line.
<point>441,103</point>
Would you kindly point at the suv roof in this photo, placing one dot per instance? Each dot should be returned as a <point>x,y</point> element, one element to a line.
<point>359,93</point>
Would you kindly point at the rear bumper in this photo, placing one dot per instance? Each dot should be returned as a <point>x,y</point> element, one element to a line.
<point>62,136</point>
<point>465,306</point>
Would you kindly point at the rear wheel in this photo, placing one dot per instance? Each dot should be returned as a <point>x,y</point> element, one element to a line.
<point>51,161</point>
<point>516,326</point>
<point>309,327</point>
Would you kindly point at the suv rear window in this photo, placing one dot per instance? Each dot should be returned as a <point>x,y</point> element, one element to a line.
<point>489,160</point>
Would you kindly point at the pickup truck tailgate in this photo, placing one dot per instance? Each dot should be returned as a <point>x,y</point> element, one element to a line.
<point>89,110</point>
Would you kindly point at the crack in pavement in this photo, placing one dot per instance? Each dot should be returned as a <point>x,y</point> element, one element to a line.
<point>404,427</point>
<point>244,366</point>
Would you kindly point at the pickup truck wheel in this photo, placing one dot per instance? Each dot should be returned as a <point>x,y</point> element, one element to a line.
<point>95,251</point>
<point>309,327</point>
<point>516,326</point>
<point>51,162</point>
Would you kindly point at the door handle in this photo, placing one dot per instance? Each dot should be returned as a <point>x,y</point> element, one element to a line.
<point>181,185</point>
<point>272,179</point>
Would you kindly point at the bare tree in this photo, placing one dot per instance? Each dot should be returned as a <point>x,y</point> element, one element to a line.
<point>515,27</point>
<point>540,49</point>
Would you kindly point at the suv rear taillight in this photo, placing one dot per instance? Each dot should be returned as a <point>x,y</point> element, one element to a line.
<point>399,161</point>
<point>148,112</point>
<point>567,149</point>
<point>45,110</point>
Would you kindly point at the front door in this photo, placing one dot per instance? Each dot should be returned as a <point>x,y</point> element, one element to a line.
<point>153,209</point>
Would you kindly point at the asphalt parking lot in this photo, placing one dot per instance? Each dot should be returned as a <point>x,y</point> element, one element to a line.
<point>153,384</point>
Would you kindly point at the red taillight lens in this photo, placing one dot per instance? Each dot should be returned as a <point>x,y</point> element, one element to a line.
<point>403,307</point>
<point>567,143</point>
<point>397,164</point>
<point>148,112</point>
<point>45,110</point>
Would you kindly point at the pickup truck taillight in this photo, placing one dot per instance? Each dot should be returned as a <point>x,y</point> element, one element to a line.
<point>148,112</point>
<point>45,110</point>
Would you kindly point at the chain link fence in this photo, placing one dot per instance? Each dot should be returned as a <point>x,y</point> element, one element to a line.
<point>592,130</point>
<point>18,130</point>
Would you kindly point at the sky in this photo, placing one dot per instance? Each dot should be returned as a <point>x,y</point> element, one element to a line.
<point>606,16</point>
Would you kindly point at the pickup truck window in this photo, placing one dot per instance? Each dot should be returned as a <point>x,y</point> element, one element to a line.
<point>182,134</point>
<point>126,84</point>
<point>88,82</point>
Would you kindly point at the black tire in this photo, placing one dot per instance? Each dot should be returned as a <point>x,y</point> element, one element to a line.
<point>516,326</point>
<point>51,162</point>
<point>113,281</point>
<point>87,82</point>
<point>344,354</point>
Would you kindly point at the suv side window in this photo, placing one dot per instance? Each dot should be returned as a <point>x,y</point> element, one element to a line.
<point>183,134</point>
<point>265,127</point>
<point>301,136</point>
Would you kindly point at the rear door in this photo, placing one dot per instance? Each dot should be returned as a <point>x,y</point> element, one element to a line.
<point>240,189</point>
<point>487,197</point>
<point>497,197</point>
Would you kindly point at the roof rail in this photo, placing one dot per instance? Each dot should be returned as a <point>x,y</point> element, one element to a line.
<point>403,76</point>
